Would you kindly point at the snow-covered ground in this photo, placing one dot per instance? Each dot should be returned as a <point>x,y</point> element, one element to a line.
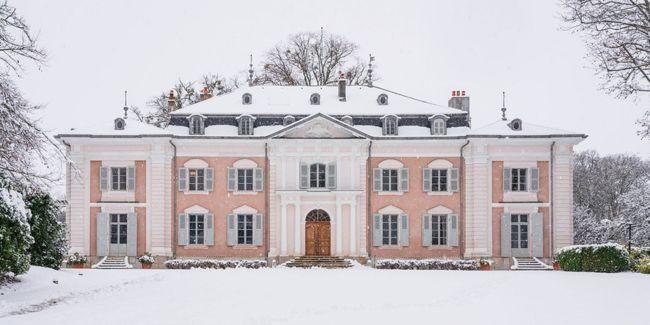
<point>297,296</point>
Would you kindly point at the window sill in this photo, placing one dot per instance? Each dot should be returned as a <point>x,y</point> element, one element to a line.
<point>444,247</point>
<point>196,192</point>
<point>245,247</point>
<point>446,193</point>
<point>317,189</point>
<point>196,246</point>
<point>391,247</point>
<point>244,193</point>
<point>389,193</point>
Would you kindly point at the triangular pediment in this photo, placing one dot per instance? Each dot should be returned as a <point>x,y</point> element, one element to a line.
<point>319,126</point>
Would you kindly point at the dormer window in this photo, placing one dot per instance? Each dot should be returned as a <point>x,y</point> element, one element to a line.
<point>119,123</point>
<point>245,125</point>
<point>196,125</point>
<point>438,124</point>
<point>515,125</point>
<point>389,126</point>
<point>314,99</point>
<point>247,99</point>
<point>347,120</point>
<point>382,99</point>
<point>288,120</point>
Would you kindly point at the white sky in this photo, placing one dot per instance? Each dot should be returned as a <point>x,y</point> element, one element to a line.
<point>425,49</point>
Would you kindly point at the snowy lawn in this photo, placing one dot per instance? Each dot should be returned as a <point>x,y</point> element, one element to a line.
<point>297,296</point>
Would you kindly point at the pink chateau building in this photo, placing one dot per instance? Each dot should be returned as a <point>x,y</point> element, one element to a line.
<point>277,172</point>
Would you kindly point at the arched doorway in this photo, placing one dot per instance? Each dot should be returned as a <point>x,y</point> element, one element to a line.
<point>317,233</point>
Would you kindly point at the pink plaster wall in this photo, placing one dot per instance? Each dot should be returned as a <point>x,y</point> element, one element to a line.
<point>141,181</point>
<point>95,193</point>
<point>220,202</point>
<point>415,203</point>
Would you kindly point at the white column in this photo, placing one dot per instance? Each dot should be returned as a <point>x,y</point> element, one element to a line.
<point>353,223</point>
<point>298,227</point>
<point>283,230</point>
<point>339,228</point>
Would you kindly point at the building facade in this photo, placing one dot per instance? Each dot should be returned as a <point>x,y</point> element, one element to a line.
<point>275,172</point>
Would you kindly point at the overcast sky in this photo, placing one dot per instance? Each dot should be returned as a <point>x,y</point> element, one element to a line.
<point>422,48</point>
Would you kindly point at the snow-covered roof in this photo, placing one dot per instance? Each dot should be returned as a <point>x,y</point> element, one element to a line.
<point>501,128</point>
<point>360,100</point>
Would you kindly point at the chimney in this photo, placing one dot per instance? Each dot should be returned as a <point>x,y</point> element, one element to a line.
<point>205,94</point>
<point>171,101</point>
<point>342,84</point>
<point>459,100</point>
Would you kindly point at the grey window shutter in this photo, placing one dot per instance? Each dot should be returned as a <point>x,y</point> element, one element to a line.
<point>453,179</point>
<point>103,178</point>
<point>534,179</point>
<point>130,178</point>
<point>232,179</point>
<point>453,230</point>
<point>209,179</point>
<point>506,179</point>
<point>102,234</point>
<point>426,180</point>
<point>209,229</point>
<point>376,179</point>
<point>404,230</point>
<point>258,234</point>
<point>231,239</point>
<point>182,229</point>
<point>258,183</point>
<point>537,232</point>
<point>404,179</point>
<point>505,235</point>
<point>132,234</point>
<point>376,230</point>
<point>331,175</point>
<point>426,230</point>
<point>182,179</point>
<point>304,175</point>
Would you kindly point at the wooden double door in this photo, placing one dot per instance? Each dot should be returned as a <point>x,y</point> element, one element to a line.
<point>317,238</point>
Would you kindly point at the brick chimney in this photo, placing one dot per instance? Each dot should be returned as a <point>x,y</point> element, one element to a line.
<point>459,100</point>
<point>171,101</point>
<point>342,83</point>
<point>205,94</point>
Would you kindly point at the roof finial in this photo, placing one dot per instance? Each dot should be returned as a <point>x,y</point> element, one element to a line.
<point>250,72</point>
<point>503,109</point>
<point>126,106</point>
<point>370,59</point>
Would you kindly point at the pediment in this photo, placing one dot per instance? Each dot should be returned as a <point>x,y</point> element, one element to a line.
<point>320,127</point>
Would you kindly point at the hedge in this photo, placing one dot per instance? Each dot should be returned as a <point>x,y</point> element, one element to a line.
<point>214,264</point>
<point>606,258</point>
<point>644,266</point>
<point>427,264</point>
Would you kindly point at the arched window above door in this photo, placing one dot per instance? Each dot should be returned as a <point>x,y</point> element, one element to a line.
<point>317,215</point>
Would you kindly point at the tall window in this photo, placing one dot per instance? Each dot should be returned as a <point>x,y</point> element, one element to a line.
<point>439,229</point>
<point>438,180</point>
<point>439,127</point>
<point>518,179</point>
<point>119,228</point>
<point>196,227</point>
<point>245,229</point>
<point>245,179</point>
<point>389,180</point>
<point>118,178</point>
<point>245,125</point>
<point>390,125</point>
<point>196,179</point>
<point>196,125</point>
<point>389,229</point>
<point>519,230</point>
<point>317,176</point>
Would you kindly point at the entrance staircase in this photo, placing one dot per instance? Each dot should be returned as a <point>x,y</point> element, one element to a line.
<point>529,264</point>
<point>113,262</point>
<point>328,262</point>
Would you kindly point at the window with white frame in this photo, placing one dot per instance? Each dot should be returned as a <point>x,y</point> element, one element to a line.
<point>317,175</point>
<point>439,180</point>
<point>439,126</point>
<point>196,179</point>
<point>389,229</point>
<point>118,178</point>
<point>196,125</point>
<point>439,229</point>
<point>245,125</point>
<point>518,179</point>
<point>390,125</point>
<point>389,180</point>
<point>245,179</point>
<point>196,229</point>
<point>244,229</point>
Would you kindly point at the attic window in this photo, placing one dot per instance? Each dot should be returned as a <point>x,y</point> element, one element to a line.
<point>515,125</point>
<point>439,126</point>
<point>314,99</point>
<point>382,99</point>
<point>288,120</point>
<point>389,126</point>
<point>196,125</point>
<point>245,125</point>
<point>347,120</point>
<point>119,124</point>
<point>247,99</point>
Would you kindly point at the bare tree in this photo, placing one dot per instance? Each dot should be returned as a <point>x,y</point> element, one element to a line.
<point>617,34</point>
<point>17,43</point>
<point>313,59</point>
